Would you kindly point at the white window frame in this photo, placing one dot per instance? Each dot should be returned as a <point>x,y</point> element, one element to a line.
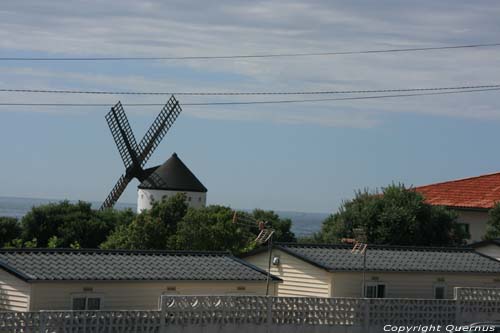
<point>374,284</point>
<point>87,296</point>
<point>440,285</point>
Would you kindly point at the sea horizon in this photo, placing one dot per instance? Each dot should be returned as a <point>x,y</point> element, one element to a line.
<point>303,223</point>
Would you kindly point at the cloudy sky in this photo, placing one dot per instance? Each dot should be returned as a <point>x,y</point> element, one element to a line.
<point>303,157</point>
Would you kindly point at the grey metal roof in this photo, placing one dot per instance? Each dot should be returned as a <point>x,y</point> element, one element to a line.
<point>486,242</point>
<point>394,258</point>
<point>67,264</point>
<point>172,175</point>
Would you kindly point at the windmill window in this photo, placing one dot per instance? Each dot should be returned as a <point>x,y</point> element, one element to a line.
<point>199,199</point>
<point>189,198</point>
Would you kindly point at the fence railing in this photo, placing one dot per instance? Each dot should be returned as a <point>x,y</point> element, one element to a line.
<point>469,305</point>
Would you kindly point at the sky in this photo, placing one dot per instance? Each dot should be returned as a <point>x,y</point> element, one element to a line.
<point>300,157</point>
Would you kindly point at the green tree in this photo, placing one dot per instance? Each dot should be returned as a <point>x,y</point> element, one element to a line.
<point>65,224</point>
<point>169,224</point>
<point>493,226</point>
<point>10,229</point>
<point>397,216</point>
<point>282,227</point>
<point>152,229</point>
<point>212,229</point>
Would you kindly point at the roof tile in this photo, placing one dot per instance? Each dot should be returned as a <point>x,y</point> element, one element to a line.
<point>481,192</point>
<point>65,264</point>
<point>393,258</point>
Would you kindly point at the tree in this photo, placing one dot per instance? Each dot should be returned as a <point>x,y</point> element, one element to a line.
<point>152,229</point>
<point>10,229</point>
<point>282,227</point>
<point>65,224</point>
<point>397,216</point>
<point>493,226</point>
<point>169,224</point>
<point>212,228</point>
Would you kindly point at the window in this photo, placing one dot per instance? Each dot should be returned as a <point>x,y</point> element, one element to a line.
<point>79,303</point>
<point>199,199</point>
<point>82,302</point>
<point>439,291</point>
<point>464,227</point>
<point>375,290</point>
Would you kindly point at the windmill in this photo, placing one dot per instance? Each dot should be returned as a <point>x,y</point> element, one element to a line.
<point>135,155</point>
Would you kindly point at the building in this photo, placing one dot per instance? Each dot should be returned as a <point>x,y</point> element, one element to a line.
<point>391,272</point>
<point>472,198</point>
<point>488,247</point>
<point>168,179</point>
<point>63,279</point>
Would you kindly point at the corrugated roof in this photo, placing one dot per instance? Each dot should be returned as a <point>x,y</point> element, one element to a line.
<point>393,258</point>
<point>173,175</point>
<point>68,264</point>
<point>481,192</point>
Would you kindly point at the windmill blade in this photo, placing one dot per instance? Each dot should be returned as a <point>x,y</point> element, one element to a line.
<point>116,192</point>
<point>122,134</point>
<point>158,129</point>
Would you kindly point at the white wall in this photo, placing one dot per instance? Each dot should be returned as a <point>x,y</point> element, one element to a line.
<point>477,221</point>
<point>141,295</point>
<point>14,293</point>
<point>305,280</point>
<point>299,277</point>
<point>145,197</point>
<point>410,285</point>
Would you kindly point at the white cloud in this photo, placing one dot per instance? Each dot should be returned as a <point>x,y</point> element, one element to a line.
<point>179,28</point>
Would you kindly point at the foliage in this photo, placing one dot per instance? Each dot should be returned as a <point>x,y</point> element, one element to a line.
<point>151,229</point>
<point>397,216</point>
<point>10,229</point>
<point>212,229</point>
<point>282,227</point>
<point>168,225</point>
<point>493,226</point>
<point>63,224</point>
<point>171,225</point>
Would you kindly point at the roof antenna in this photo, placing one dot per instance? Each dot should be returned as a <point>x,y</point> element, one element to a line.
<point>265,236</point>
<point>360,247</point>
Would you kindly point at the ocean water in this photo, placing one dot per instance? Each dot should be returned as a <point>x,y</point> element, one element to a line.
<point>302,223</point>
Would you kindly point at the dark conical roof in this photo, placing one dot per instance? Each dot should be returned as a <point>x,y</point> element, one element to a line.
<point>173,175</point>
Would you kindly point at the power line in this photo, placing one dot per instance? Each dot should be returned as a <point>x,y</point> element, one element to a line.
<point>253,102</point>
<point>242,93</point>
<point>249,56</point>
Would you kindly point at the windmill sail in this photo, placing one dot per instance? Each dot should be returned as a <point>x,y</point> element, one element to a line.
<point>116,192</point>
<point>158,129</point>
<point>135,156</point>
<point>122,134</point>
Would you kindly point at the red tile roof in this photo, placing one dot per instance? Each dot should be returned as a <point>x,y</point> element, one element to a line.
<point>476,192</point>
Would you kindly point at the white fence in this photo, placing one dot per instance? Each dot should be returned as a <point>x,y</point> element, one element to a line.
<point>220,314</point>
